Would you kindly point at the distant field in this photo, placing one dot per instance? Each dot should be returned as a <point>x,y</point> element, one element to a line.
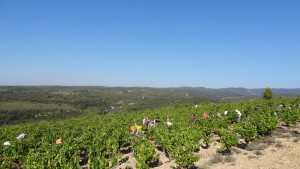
<point>14,112</point>
<point>22,105</point>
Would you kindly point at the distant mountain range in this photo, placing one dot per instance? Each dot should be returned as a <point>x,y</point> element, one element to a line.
<point>238,93</point>
<point>185,94</point>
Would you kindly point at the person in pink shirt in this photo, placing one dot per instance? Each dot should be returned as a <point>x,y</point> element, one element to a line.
<point>205,115</point>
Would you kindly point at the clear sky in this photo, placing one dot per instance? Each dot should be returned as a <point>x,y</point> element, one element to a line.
<point>154,43</point>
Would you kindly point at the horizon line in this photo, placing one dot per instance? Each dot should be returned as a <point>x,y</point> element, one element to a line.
<point>142,86</point>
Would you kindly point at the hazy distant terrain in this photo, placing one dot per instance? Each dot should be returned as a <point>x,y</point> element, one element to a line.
<point>21,104</point>
<point>234,94</point>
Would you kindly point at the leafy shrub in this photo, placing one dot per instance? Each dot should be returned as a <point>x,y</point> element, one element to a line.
<point>228,139</point>
<point>265,123</point>
<point>290,116</point>
<point>247,130</point>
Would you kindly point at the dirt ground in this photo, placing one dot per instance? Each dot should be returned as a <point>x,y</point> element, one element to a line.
<point>285,153</point>
<point>280,151</point>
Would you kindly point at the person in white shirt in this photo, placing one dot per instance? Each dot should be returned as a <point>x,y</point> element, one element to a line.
<point>169,124</point>
<point>7,143</point>
<point>225,112</point>
<point>21,136</point>
<point>239,115</point>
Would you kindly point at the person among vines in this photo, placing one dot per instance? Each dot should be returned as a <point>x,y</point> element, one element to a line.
<point>133,130</point>
<point>279,109</point>
<point>7,143</point>
<point>283,105</point>
<point>157,120</point>
<point>21,136</point>
<point>225,112</point>
<point>239,115</point>
<point>205,115</point>
<point>151,124</point>
<point>218,116</point>
<point>146,121</point>
<point>169,123</point>
<point>58,140</point>
<point>256,108</point>
<point>193,120</point>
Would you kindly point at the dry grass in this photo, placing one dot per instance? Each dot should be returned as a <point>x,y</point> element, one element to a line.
<point>296,139</point>
<point>256,145</point>
<point>229,159</point>
<point>279,145</point>
<point>217,159</point>
<point>252,157</point>
<point>270,140</point>
<point>258,153</point>
<point>295,134</point>
<point>236,150</point>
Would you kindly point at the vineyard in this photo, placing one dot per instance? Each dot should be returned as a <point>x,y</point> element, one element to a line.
<point>99,141</point>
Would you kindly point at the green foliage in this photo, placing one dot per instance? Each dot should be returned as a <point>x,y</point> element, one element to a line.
<point>228,139</point>
<point>265,123</point>
<point>247,130</point>
<point>207,126</point>
<point>231,117</point>
<point>184,158</point>
<point>103,136</point>
<point>290,116</point>
<point>179,142</point>
<point>268,93</point>
<point>144,152</point>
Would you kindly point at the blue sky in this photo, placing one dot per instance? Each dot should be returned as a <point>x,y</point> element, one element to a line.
<point>154,43</point>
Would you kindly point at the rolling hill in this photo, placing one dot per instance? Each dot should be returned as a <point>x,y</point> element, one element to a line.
<point>20,104</point>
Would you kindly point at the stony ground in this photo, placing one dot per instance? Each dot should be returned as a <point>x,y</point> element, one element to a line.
<point>281,150</point>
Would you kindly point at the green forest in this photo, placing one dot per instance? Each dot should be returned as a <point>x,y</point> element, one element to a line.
<point>29,104</point>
